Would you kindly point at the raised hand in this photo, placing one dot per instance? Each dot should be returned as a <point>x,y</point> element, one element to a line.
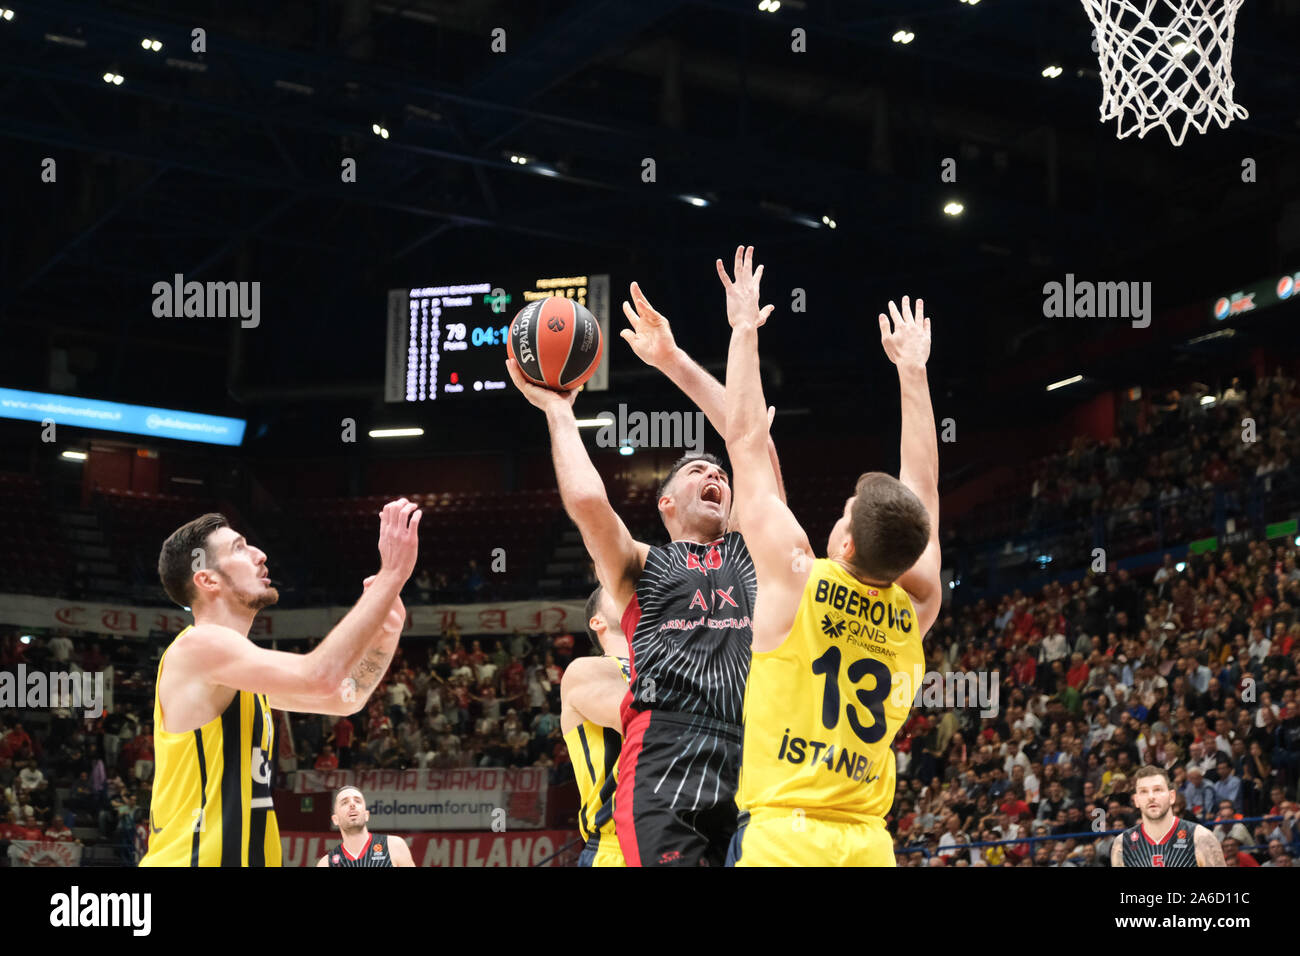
<point>544,398</point>
<point>650,337</point>
<point>742,293</point>
<point>908,345</point>
<point>399,539</point>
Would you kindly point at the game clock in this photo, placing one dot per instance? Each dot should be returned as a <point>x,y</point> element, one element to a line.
<point>449,341</point>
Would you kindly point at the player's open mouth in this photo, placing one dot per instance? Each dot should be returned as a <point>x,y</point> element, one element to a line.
<point>712,492</point>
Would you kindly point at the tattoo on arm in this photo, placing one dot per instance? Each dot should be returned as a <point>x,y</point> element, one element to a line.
<point>370,668</point>
<point>1208,850</point>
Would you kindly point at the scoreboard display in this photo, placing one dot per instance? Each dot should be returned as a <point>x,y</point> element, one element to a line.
<point>448,342</point>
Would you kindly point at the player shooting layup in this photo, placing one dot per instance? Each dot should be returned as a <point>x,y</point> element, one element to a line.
<point>1162,839</point>
<point>688,606</point>
<point>213,731</point>
<point>837,640</point>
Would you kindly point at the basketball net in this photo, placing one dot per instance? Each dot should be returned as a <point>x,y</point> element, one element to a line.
<point>1165,63</point>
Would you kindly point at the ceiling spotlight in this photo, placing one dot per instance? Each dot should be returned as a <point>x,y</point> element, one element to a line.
<point>6,14</point>
<point>1180,48</point>
<point>626,449</point>
<point>969,2</point>
<point>769,6</point>
<point>114,78</point>
<point>75,455</point>
<point>954,209</point>
<point>904,36</point>
<point>151,45</point>
<point>379,130</point>
<point>396,432</point>
<point>1052,72</point>
<point>1064,382</point>
<point>696,200</point>
<point>828,221</point>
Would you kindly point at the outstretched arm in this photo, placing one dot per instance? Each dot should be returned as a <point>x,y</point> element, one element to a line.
<point>366,674</point>
<point>652,340</point>
<point>777,545</point>
<point>908,347</point>
<point>316,681</point>
<point>618,558</point>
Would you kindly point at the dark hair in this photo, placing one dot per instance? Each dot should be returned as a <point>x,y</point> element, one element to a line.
<point>334,801</point>
<point>1151,770</point>
<point>176,560</point>
<point>889,526</point>
<point>683,462</point>
<point>590,611</point>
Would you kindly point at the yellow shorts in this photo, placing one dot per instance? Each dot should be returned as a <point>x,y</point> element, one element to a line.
<point>607,852</point>
<point>780,837</point>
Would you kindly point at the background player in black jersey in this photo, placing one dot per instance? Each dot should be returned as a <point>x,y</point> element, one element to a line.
<point>686,610</point>
<point>1160,838</point>
<point>359,846</point>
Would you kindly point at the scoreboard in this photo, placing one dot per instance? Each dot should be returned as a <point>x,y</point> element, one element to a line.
<point>448,342</point>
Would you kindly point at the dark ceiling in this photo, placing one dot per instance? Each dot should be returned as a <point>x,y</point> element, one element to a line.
<point>226,165</point>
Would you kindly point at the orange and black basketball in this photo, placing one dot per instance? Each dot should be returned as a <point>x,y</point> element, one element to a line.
<point>556,342</point>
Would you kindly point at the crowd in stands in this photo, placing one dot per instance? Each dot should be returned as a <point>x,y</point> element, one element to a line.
<point>67,777</point>
<point>1156,481</point>
<point>451,702</point>
<point>1194,672</point>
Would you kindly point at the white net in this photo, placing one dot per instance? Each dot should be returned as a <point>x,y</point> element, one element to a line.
<point>1165,63</point>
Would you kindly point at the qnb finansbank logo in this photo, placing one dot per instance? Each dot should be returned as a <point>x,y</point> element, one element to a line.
<point>32,689</point>
<point>1081,299</point>
<point>208,300</point>
<point>637,429</point>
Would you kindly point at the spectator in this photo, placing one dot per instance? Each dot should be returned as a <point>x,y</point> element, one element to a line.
<point>327,759</point>
<point>1228,785</point>
<point>344,737</point>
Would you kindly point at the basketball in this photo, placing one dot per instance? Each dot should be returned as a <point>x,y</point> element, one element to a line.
<point>556,342</point>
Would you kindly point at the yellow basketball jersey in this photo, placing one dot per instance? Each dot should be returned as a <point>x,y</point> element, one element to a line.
<point>211,802</point>
<point>821,711</point>
<point>594,750</point>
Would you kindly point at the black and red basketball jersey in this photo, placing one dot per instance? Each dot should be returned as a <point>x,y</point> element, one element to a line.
<point>1178,848</point>
<point>690,629</point>
<point>374,853</point>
